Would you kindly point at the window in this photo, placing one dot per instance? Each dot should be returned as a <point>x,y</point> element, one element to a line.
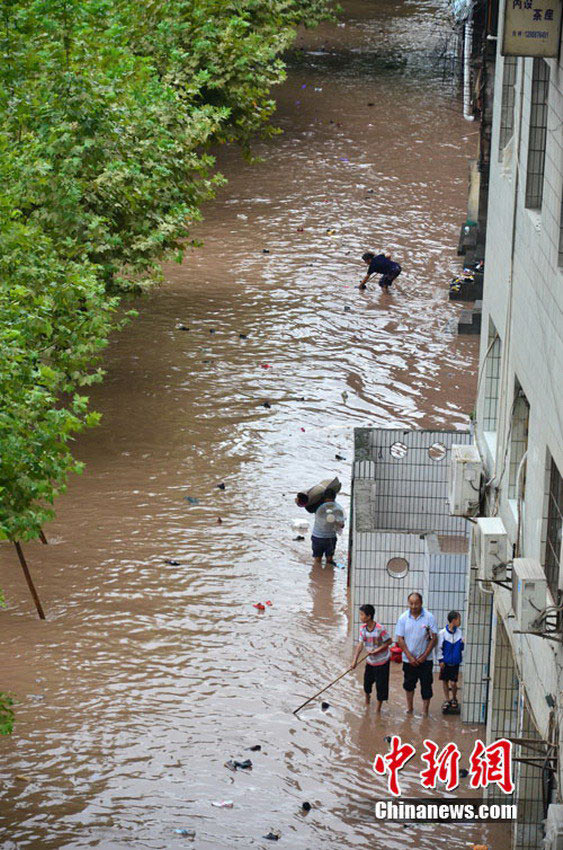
<point>554,529</point>
<point>507,104</point>
<point>492,377</point>
<point>561,233</point>
<point>538,133</point>
<point>518,442</point>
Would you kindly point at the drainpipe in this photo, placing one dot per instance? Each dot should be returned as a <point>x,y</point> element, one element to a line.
<point>467,48</point>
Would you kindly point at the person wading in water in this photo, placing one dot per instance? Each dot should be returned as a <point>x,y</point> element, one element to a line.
<point>380,264</point>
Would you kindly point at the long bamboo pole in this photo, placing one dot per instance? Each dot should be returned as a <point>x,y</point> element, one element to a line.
<point>29,580</point>
<point>307,701</point>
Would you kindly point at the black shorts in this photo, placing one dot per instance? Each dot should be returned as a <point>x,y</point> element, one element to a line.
<point>422,674</point>
<point>449,673</point>
<point>378,673</point>
<point>323,546</point>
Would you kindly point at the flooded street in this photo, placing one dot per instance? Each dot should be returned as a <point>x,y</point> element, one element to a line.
<point>147,676</point>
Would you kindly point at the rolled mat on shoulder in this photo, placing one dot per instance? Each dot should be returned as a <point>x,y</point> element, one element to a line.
<point>316,494</point>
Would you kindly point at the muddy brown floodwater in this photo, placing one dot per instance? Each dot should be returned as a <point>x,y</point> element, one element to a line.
<point>147,676</point>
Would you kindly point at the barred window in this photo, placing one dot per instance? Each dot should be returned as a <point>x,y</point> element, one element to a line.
<point>518,442</point>
<point>492,376</point>
<point>554,529</point>
<point>538,133</point>
<point>507,104</point>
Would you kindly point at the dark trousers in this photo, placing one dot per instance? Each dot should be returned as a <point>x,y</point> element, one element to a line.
<point>388,278</point>
<point>423,674</point>
<point>380,675</point>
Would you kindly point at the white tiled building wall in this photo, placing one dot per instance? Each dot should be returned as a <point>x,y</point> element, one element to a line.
<point>523,302</point>
<point>400,510</point>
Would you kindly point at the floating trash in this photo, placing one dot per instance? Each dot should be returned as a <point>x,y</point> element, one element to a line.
<point>267,404</point>
<point>330,231</point>
<point>187,833</point>
<point>172,563</point>
<point>299,537</point>
<point>192,500</point>
<point>243,336</point>
<point>265,365</point>
<point>242,216</point>
<point>325,705</point>
<point>220,486</point>
<point>347,309</point>
<point>339,457</point>
<point>223,804</point>
<point>219,521</point>
<point>306,807</point>
<point>265,250</point>
<point>235,765</point>
<point>259,606</point>
<point>255,748</point>
<point>181,327</point>
<point>273,835</point>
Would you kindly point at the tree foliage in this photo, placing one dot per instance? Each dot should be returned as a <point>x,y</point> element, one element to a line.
<point>108,109</point>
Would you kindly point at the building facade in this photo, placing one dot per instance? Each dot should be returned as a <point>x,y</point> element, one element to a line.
<point>514,675</point>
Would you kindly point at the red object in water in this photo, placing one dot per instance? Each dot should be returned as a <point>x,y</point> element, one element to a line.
<point>269,603</point>
<point>259,606</point>
<point>303,429</point>
<point>265,365</point>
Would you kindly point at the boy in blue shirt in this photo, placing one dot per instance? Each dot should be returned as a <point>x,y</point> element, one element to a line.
<point>450,651</point>
<point>380,264</point>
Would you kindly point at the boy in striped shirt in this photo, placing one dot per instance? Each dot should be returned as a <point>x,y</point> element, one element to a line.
<point>375,640</point>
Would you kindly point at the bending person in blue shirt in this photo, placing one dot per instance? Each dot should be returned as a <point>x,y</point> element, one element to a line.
<point>380,264</point>
<point>417,634</point>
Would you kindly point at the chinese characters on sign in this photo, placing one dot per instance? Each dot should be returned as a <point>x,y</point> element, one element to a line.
<point>488,765</point>
<point>531,28</point>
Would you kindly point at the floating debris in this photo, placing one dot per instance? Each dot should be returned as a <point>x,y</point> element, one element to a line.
<point>325,705</point>
<point>181,327</point>
<point>243,336</point>
<point>306,807</point>
<point>267,404</point>
<point>339,457</point>
<point>259,606</point>
<point>255,748</point>
<point>192,500</point>
<point>273,835</point>
<point>187,833</point>
<point>265,250</point>
<point>223,804</point>
<point>172,563</point>
<point>299,537</point>
<point>220,486</point>
<point>234,765</point>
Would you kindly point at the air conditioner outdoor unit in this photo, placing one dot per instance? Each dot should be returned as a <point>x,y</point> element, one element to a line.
<point>490,544</point>
<point>464,480</point>
<point>529,592</point>
<point>554,827</point>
